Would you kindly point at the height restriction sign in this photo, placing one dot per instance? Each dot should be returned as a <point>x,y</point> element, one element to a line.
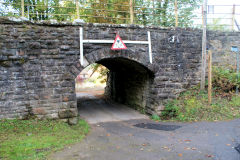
<point>118,44</point>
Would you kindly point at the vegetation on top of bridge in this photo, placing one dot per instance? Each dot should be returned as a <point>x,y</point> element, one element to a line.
<point>108,11</point>
<point>163,13</point>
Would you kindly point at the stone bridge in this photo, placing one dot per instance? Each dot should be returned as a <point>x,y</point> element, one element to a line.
<point>40,61</point>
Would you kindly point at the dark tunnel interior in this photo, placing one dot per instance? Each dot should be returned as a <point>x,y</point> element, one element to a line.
<point>128,82</point>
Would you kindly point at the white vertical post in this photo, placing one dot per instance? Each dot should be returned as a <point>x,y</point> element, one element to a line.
<point>204,45</point>
<point>81,44</point>
<point>233,17</point>
<point>149,47</point>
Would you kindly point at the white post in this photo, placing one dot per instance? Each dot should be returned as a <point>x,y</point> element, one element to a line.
<point>81,44</point>
<point>149,47</point>
<point>204,45</point>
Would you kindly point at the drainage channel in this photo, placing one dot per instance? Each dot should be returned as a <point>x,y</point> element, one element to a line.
<point>157,126</point>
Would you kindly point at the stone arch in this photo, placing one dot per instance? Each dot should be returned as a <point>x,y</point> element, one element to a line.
<point>104,53</point>
<point>93,56</point>
<point>130,78</point>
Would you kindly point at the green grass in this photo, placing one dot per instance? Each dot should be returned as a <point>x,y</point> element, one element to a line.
<point>192,105</point>
<point>155,117</point>
<point>35,139</point>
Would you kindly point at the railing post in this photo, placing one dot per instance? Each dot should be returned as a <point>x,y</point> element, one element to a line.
<point>204,45</point>
<point>176,13</point>
<point>233,16</point>
<point>131,11</point>
<point>22,8</point>
<point>77,8</point>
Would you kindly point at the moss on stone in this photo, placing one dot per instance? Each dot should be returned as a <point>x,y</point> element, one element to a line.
<point>5,63</point>
<point>22,61</point>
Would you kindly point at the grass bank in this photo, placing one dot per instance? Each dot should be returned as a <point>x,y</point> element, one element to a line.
<point>35,139</point>
<point>192,105</point>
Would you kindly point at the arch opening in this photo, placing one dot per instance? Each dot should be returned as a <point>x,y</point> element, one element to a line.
<point>127,82</point>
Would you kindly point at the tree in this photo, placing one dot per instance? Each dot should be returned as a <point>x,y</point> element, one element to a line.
<point>146,12</point>
<point>44,9</point>
<point>163,14</point>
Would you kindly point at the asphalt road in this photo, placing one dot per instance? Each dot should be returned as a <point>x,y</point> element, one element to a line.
<point>94,109</point>
<point>143,139</point>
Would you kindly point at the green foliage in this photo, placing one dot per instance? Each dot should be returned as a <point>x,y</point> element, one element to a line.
<point>164,15</point>
<point>170,110</point>
<point>102,70</point>
<point>225,80</point>
<point>108,11</point>
<point>235,102</point>
<point>35,139</point>
<point>155,117</point>
<point>192,105</point>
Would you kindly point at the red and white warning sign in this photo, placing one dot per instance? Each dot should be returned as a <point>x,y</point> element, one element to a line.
<point>118,44</point>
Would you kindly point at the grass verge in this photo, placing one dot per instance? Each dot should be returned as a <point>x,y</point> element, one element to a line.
<point>192,105</point>
<point>35,139</point>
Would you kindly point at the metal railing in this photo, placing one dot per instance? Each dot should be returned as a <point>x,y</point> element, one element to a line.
<point>144,12</point>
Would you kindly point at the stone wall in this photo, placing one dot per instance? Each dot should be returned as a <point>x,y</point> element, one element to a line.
<point>39,62</point>
<point>220,44</point>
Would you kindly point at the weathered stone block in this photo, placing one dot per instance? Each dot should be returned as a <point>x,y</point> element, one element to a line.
<point>67,113</point>
<point>73,121</point>
<point>39,111</point>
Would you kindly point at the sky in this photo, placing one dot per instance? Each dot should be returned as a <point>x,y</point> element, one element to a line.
<point>225,12</point>
<point>223,2</point>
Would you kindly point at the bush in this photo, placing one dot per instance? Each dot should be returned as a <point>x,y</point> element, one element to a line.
<point>225,80</point>
<point>193,105</point>
<point>155,117</point>
<point>170,110</point>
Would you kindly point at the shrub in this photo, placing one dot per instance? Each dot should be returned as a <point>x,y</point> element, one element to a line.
<point>225,80</point>
<point>170,110</point>
<point>155,117</point>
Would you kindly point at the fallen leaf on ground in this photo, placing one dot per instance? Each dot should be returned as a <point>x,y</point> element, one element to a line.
<point>228,144</point>
<point>180,154</point>
<point>209,156</point>
<point>167,148</point>
<point>187,140</point>
<point>108,134</point>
